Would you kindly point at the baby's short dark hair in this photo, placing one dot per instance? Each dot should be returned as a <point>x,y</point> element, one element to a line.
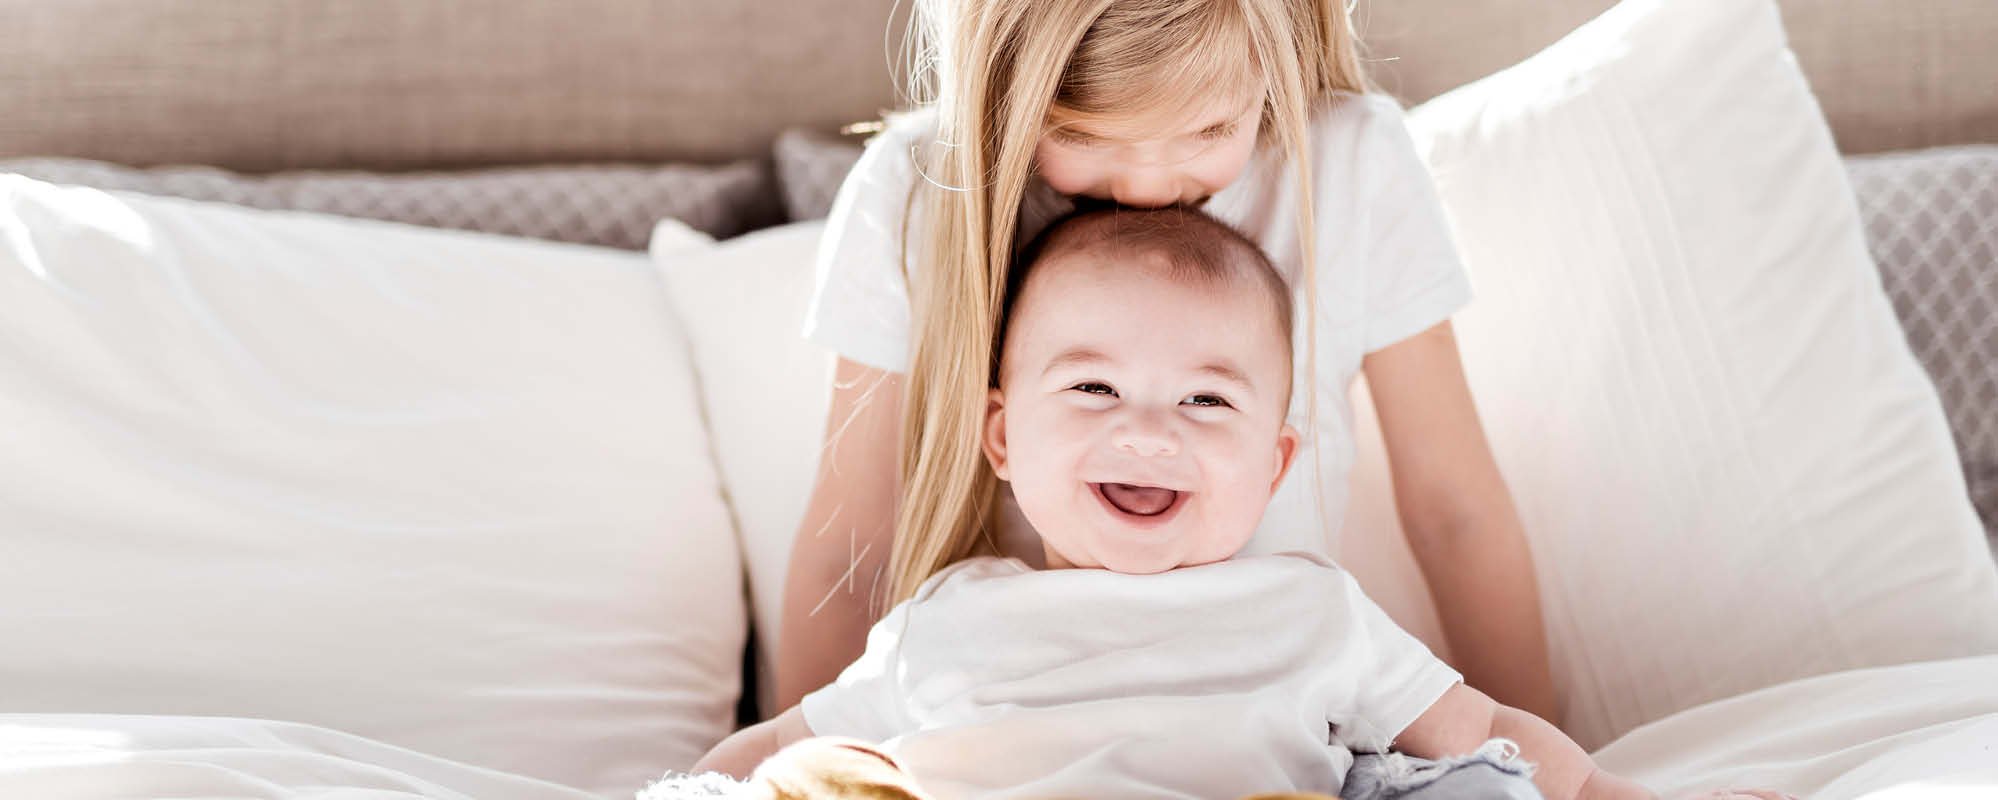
<point>1194,246</point>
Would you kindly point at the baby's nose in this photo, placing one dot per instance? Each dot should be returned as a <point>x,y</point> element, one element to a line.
<point>1147,440</point>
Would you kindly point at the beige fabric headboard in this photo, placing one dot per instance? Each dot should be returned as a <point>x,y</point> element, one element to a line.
<point>1890,75</point>
<point>278,84</point>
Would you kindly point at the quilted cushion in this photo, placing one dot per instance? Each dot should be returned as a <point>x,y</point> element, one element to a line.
<point>608,205</point>
<point>1932,224</point>
<point>810,167</point>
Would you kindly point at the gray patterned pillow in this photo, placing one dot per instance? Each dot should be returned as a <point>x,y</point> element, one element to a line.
<point>608,205</point>
<point>810,168</point>
<point>1932,223</point>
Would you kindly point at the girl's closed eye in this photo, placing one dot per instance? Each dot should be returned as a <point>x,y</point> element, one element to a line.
<point>1074,138</point>
<point>1221,131</point>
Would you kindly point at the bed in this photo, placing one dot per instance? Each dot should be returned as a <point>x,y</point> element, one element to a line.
<point>407,402</point>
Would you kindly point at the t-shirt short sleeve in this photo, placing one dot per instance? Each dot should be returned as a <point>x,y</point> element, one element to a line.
<point>1403,680</point>
<point>1414,277</point>
<point>866,701</point>
<point>860,298</point>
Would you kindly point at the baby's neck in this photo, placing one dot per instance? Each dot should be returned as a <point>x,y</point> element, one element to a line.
<point>1053,560</point>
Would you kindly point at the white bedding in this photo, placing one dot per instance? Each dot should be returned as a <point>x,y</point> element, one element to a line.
<point>1927,730</point>
<point>1924,730</point>
<point>78,756</point>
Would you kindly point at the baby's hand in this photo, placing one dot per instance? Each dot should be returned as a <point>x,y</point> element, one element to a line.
<point>1740,794</point>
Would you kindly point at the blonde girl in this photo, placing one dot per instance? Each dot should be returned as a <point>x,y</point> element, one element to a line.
<point>1256,110</point>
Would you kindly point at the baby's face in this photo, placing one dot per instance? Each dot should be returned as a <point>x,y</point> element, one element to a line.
<point>1139,418</point>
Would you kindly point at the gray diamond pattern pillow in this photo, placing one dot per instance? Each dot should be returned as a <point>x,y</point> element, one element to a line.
<point>607,205</point>
<point>1932,223</point>
<point>810,168</point>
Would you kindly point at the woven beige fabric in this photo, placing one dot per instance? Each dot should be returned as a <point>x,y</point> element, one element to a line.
<point>287,84</point>
<point>1890,76</point>
<point>405,84</point>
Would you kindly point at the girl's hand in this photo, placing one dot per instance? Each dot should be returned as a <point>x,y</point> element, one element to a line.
<point>1740,794</point>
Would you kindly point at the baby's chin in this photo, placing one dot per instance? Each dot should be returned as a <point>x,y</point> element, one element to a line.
<point>1140,560</point>
<point>1140,565</point>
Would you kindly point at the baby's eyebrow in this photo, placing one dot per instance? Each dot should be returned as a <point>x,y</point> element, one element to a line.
<point>1227,372</point>
<point>1074,357</point>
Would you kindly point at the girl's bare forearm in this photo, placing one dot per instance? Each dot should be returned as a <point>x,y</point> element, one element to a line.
<point>1481,577</point>
<point>828,606</point>
<point>841,547</point>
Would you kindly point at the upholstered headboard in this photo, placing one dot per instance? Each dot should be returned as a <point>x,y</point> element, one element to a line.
<point>280,84</point>
<point>1890,75</point>
<point>388,84</point>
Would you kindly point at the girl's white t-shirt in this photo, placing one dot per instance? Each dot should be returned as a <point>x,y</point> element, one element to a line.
<point>1386,269</point>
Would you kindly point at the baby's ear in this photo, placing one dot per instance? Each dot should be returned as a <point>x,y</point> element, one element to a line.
<point>994,438</point>
<point>1287,441</point>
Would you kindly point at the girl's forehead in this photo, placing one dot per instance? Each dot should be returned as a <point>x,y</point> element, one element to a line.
<point>1189,114</point>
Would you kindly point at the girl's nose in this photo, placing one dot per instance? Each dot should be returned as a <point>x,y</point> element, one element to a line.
<point>1144,188</point>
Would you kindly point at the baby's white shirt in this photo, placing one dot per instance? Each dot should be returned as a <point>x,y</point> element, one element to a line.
<point>1386,269</point>
<point>1257,674</point>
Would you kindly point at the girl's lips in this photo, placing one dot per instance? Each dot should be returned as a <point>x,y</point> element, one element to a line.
<point>1139,506</point>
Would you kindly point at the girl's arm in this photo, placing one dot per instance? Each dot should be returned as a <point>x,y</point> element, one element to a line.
<point>1460,521</point>
<point>738,755</point>
<point>842,543</point>
<point>1464,718</point>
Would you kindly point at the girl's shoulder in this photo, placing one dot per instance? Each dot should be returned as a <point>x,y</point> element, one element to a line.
<point>880,182</point>
<point>1356,143</point>
<point>902,133</point>
<point>1353,121</point>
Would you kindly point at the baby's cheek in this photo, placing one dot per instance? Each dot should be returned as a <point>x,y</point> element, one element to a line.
<point>1239,470</point>
<point>1067,431</point>
<point>1045,445</point>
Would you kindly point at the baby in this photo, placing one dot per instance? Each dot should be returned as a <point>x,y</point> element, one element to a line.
<point>1139,415</point>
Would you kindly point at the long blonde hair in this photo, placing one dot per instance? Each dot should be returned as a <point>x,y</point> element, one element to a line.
<point>992,69</point>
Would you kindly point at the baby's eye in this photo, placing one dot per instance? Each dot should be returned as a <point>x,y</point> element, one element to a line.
<point>1208,401</point>
<point>1094,387</point>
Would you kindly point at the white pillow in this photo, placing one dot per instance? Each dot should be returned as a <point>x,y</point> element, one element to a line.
<point>765,388</point>
<point>671,236</point>
<point>445,490</point>
<point>1731,470</point>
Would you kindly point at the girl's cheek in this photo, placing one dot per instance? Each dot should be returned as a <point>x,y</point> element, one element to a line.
<point>1064,182</point>
<point>1063,172</point>
<point>1226,169</point>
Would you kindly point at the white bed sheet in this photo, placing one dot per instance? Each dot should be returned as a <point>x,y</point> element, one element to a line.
<point>1925,730</point>
<point>78,756</point>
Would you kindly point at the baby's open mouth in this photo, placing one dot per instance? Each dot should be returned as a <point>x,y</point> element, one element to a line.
<point>1141,501</point>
